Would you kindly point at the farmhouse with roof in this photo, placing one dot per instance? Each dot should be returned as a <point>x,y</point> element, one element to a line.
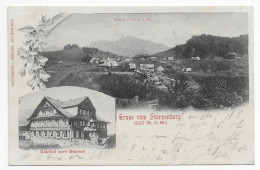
<point>73,119</point>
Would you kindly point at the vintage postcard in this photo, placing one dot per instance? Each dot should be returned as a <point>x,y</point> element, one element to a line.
<point>130,85</point>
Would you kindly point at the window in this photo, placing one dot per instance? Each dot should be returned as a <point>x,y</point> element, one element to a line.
<point>45,123</point>
<point>84,123</point>
<point>82,134</point>
<point>80,123</point>
<point>97,124</point>
<point>84,112</point>
<point>48,123</point>
<point>64,121</point>
<point>45,133</point>
<point>75,123</point>
<point>39,123</point>
<point>58,134</point>
<point>51,133</point>
<point>57,122</point>
<point>40,133</point>
<point>65,134</point>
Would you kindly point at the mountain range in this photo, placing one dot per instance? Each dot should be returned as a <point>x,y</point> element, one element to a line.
<point>129,46</point>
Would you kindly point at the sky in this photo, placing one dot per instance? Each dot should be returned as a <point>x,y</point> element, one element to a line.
<point>169,29</point>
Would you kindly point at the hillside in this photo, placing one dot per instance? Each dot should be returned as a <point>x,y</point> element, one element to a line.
<point>208,46</point>
<point>129,46</point>
<point>71,58</point>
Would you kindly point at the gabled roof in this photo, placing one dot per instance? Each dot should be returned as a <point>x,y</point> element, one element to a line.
<point>62,105</point>
<point>72,102</point>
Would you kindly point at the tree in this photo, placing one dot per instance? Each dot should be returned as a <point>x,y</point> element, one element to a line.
<point>70,46</point>
<point>218,95</point>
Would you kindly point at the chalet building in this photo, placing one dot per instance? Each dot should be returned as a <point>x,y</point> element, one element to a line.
<point>73,119</point>
<point>132,66</point>
<point>160,68</point>
<point>147,67</point>
<point>186,70</point>
<point>109,63</point>
<point>195,58</point>
<point>153,58</point>
<point>94,60</point>
<point>127,59</point>
<point>170,58</point>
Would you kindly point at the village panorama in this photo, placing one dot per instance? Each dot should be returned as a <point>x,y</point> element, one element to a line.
<point>206,72</point>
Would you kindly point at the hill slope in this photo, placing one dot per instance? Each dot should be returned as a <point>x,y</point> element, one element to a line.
<point>60,63</point>
<point>206,46</point>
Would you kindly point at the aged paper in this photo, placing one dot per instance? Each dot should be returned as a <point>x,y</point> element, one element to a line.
<point>130,85</point>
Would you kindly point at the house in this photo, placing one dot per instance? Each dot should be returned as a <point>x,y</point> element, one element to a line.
<point>24,131</point>
<point>132,66</point>
<point>231,55</point>
<point>186,69</point>
<point>147,67</point>
<point>94,60</point>
<point>153,58</point>
<point>139,74</point>
<point>73,119</point>
<point>111,63</point>
<point>170,58</point>
<point>160,68</point>
<point>127,59</point>
<point>195,58</point>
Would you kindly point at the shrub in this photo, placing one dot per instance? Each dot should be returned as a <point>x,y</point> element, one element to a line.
<point>199,101</point>
<point>216,92</point>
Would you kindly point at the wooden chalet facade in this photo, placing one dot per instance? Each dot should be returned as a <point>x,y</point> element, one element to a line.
<point>73,119</point>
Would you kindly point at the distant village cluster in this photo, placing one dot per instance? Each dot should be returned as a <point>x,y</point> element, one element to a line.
<point>142,66</point>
